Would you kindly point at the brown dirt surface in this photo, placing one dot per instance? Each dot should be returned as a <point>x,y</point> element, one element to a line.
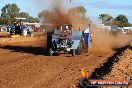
<point>122,70</point>
<point>24,64</point>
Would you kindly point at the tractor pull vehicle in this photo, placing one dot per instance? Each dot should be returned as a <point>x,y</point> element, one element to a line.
<point>68,40</point>
<point>19,28</point>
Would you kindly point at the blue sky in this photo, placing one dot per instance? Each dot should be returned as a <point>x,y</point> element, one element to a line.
<point>94,7</point>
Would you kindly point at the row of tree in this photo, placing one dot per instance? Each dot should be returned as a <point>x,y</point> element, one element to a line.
<point>10,11</point>
<point>120,21</point>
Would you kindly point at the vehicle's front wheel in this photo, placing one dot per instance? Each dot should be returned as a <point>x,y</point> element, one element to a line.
<point>31,34</point>
<point>78,51</point>
<point>50,52</point>
<point>49,40</point>
<point>12,32</point>
<point>24,32</point>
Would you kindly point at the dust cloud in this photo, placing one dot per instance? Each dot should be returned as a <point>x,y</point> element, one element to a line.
<point>104,41</point>
<point>59,13</point>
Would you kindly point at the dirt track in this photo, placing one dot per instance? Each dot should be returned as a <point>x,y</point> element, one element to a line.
<point>122,70</point>
<point>24,64</point>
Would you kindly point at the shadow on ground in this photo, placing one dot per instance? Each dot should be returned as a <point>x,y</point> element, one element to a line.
<point>32,50</point>
<point>3,36</point>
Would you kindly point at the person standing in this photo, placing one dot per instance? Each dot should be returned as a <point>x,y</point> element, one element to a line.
<point>87,38</point>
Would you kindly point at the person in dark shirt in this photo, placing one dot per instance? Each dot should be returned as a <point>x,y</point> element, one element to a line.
<point>17,28</point>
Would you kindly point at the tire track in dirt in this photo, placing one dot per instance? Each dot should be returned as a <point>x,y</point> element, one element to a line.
<point>29,70</point>
<point>21,72</point>
<point>122,70</point>
<point>18,69</point>
<point>26,66</point>
<point>69,73</point>
<point>107,66</point>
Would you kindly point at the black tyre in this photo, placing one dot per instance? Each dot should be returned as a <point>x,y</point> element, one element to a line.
<point>78,51</point>
<point>85,83</point>
<point>12,32</point>
<point>50,52</point>
<point>24,32</point>
<point>49,40</point>
<point>73,52</point>
<point>31,34</point>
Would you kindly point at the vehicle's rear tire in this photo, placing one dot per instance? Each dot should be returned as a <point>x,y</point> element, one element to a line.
<point>78,51</point>
<point>73,52</point>
<point>49,40</point>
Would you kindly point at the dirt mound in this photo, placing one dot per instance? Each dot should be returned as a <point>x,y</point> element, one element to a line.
<point>122,70</point>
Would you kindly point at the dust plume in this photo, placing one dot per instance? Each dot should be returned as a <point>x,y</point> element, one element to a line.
<point>58,15</point>
<point>106,41</point>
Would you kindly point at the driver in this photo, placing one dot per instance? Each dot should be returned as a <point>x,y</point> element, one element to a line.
<point>17,28</point>
<point>67,32</point>
<point>68,35</point>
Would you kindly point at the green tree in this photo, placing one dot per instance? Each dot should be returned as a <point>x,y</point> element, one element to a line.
<point>121,21</point>
<point>1,21</point>
<point>105,18</point>
<point>121,18</point>
<point>9,11</point>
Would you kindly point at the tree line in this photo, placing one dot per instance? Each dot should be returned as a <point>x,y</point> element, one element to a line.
<point>10,11</point>
<point>120,21</point>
